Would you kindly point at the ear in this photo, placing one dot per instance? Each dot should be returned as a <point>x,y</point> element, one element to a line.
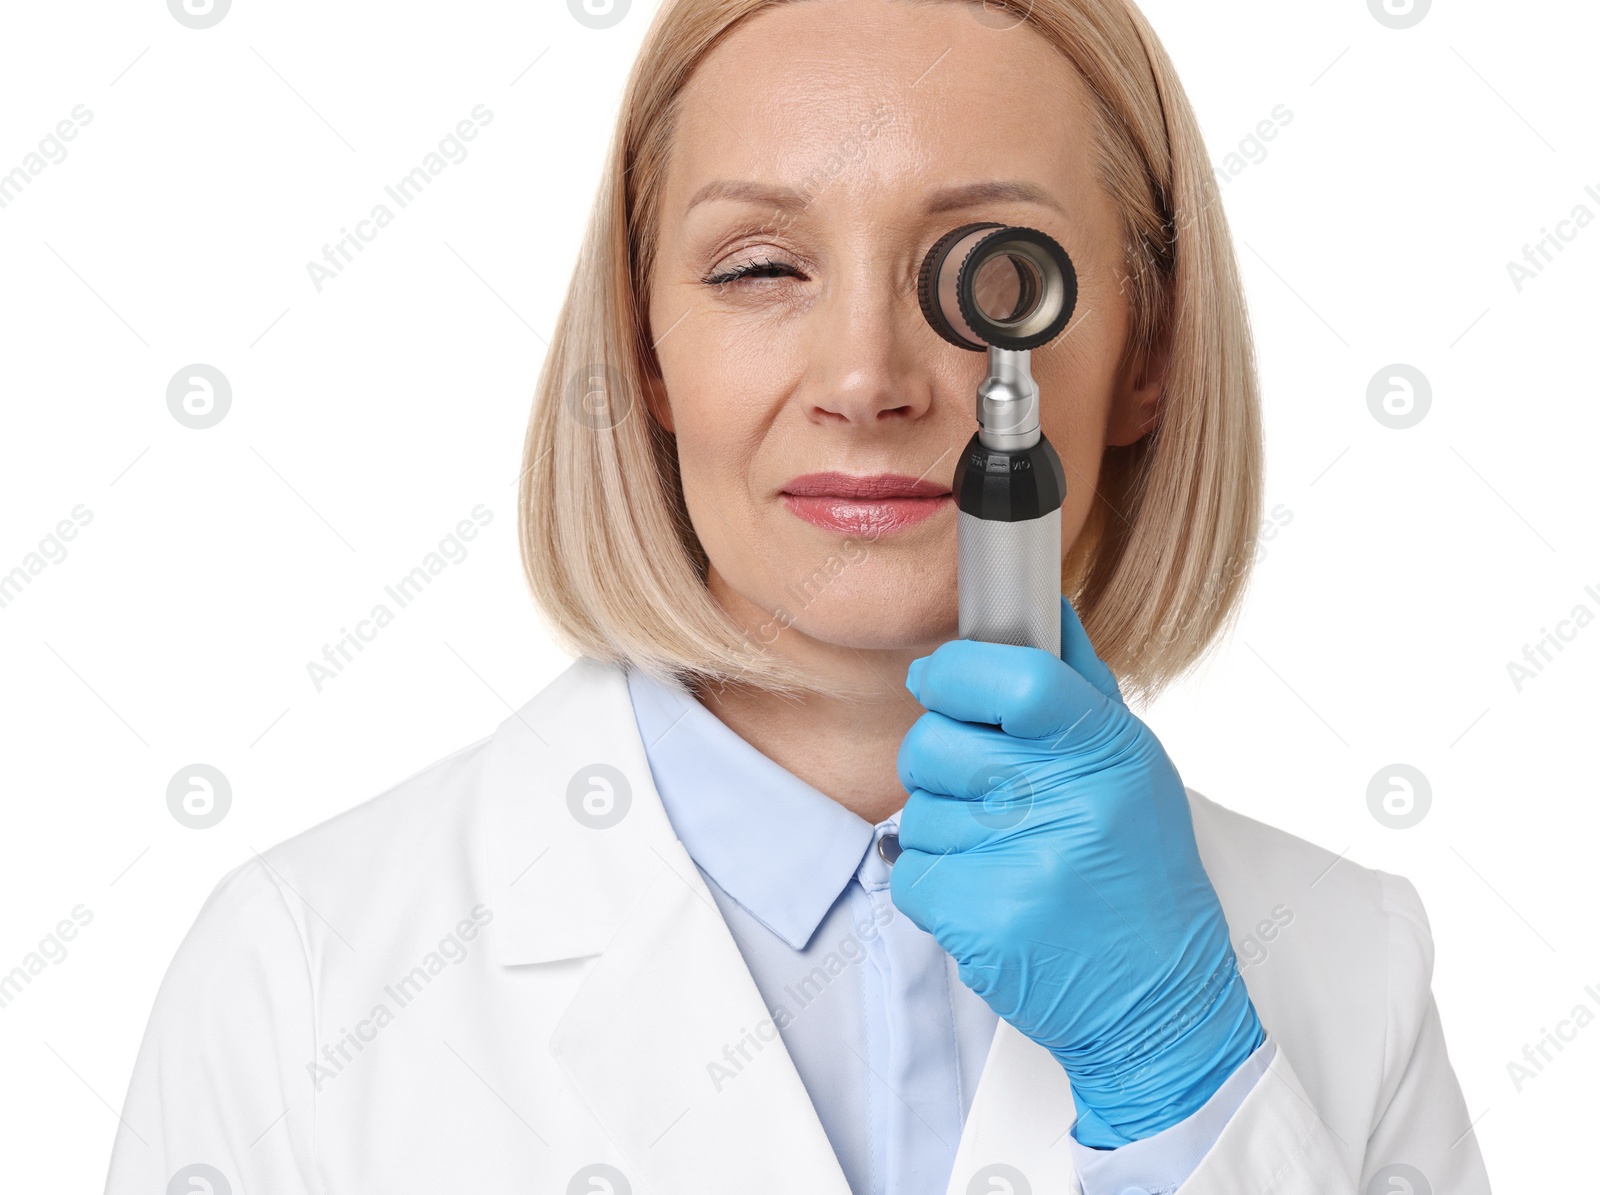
<point>655,399</point>
<point>1136,405</point>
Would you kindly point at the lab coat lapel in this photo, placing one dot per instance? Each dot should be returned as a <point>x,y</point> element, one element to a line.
<point>670,1044</point>
<point>1017,1125</point>
<point>666,1039</point>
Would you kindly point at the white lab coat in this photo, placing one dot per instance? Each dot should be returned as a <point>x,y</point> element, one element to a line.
<point>460,985</point>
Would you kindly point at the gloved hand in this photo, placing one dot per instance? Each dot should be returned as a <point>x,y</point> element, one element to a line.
<point>1047,846</point>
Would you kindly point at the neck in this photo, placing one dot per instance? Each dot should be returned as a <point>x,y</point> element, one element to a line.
<point>845,748</point>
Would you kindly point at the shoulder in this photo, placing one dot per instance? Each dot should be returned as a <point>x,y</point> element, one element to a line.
<point>428,824</point>
<point>1337,957</point>
<point>382,841</point>
<point>413,860</point>
<point>322,894</point>
<point>1252,857</point>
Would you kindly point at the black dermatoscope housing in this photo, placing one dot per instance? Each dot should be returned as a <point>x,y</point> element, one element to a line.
<point>1006,290</point>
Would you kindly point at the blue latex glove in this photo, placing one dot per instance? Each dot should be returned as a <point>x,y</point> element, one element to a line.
<point>1048,847</point>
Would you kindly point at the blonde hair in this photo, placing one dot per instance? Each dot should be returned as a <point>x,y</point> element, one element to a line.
<point>1162,561</point>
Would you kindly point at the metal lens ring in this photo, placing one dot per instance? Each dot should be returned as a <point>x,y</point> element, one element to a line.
<point>936,285</point>
<point>1045,282</point>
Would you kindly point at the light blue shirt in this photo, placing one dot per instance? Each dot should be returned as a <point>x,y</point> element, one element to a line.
<point>887,1040</point>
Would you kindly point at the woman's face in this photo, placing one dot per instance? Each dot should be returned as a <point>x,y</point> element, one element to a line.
<point>821,149</point>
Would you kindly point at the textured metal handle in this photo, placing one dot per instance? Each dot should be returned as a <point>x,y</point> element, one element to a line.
<point>1009,574</point>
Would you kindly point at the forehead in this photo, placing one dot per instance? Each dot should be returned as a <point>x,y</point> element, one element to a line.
<point>882,97</point>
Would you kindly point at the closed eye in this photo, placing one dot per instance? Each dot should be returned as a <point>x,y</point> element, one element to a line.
<point>763,268</point>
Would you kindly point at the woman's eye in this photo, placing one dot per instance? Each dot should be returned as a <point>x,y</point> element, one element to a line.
<point>763,268</point>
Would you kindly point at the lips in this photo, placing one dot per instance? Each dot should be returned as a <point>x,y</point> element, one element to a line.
<point>869,506</point>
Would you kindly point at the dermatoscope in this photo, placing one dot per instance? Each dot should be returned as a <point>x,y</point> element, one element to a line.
<point>1006,290</point>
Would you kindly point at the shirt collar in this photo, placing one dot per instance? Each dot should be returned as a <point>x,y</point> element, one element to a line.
<point>778,846</point>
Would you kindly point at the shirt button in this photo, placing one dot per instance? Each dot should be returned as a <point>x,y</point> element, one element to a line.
<point>889,848</point>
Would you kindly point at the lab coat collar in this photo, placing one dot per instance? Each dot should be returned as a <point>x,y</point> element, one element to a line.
<point>574,831</point>
<point>668,999</point>
<point>778,846</point>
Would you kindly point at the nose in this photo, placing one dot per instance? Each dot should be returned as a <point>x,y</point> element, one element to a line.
<point>869,362</point>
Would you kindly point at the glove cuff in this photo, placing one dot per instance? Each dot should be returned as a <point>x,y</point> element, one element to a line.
<point>1168,1073</point>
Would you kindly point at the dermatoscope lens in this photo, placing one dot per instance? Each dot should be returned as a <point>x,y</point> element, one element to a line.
<point>988,284</point>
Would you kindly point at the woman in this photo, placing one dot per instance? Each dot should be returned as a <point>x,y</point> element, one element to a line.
<point>780,887</point>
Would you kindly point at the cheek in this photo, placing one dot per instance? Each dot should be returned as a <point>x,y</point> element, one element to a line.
<point>707,436</point>
<point>695,373</point>
<point>726,386</point>
<point>717,417</point>
<point>1075,396</point>
<point>1076,385</point>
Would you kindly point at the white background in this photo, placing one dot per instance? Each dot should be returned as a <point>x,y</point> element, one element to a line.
<point>369,418</point>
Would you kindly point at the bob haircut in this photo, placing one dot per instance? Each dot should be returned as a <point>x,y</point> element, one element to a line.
<point>1162,562</point>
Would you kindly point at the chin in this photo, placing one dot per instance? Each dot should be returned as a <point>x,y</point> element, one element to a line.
<point>889,610</point>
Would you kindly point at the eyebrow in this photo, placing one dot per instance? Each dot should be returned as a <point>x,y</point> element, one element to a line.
<point>944,200</point>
